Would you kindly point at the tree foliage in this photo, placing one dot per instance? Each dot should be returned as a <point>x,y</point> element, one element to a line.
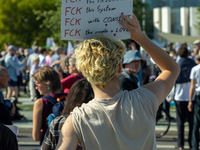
<point>52,22</point>
<point>18,24</point>
<point>197,25</point>
<point>144,14</point>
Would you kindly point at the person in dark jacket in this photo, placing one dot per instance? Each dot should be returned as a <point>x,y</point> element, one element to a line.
<point>131,63</point>
<point>8,140</point>
<point>181,97</point>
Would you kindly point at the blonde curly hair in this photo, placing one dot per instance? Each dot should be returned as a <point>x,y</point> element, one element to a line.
<point>98,59</point>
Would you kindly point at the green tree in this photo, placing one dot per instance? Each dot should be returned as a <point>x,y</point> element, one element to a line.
<point>197,25</point>
<point>52,22</point>
<point>18,24</point>
<point>144,13</point>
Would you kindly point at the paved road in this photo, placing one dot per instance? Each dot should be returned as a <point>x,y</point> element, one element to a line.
<point>25,142</point>
<point>169,142</point>
<point>165,143</point>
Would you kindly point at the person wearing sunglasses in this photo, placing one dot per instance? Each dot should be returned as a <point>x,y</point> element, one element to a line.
<point>47,82</point>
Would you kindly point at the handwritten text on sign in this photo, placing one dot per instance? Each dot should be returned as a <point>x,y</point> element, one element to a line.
<point>82,19</point>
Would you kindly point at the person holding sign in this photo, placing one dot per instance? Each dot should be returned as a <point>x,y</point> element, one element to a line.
<point>114,119</point>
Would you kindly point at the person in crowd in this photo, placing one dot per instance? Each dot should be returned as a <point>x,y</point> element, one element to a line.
<point>133,45</point>
<point>12,67</point>
<point>182,95</point>
<point>80,92</point>
<point>25,75</point>
<point>42,55</point>
<point>29,65</point>
<point>21,52</point>
<point>5,115</point>
<point>172,53</point>
<point>35,66</point>
<point>73,77</point>
<point>48,58</point>
<point>2,61</point>
<point>132,62</point>
<point>63,70</point>
<point>56,56</point>
<point>60,71</point>
<point>194,106</point>
<point>47,82</point>
<point>8,140</point>
<point>64,63</point>
<point>196,47</point>
<point>4,79</point>
<point>17,58</point>
<point>114,119</point>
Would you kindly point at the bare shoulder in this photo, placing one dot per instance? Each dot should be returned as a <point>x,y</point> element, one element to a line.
<point>38,103</point>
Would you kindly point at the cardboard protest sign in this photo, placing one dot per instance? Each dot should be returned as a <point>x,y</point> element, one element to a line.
<point>82,19</point>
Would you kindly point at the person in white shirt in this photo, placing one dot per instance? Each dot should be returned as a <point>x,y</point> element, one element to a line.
<point>194,106</point>
<point>42,55</point>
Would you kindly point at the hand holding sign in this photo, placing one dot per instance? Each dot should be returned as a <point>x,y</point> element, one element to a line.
<point>83,19</point>
<point>133,25</point>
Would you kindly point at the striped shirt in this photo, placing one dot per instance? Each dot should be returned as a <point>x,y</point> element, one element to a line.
<point>52,134</point>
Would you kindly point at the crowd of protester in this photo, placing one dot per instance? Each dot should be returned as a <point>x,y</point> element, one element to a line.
<point>95,74</point>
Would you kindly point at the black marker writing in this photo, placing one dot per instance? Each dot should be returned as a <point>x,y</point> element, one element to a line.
<point>107,8</point>
<point>88,9</point>
<point>121,29</point>
<point>94,20</point>
<point>113,19</point>
<point>101,32</point>
<point>89,1</point>
<point>88,32</point>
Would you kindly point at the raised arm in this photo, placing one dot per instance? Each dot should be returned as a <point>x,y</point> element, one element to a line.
<point>16,65</point>
<point>170,69</point>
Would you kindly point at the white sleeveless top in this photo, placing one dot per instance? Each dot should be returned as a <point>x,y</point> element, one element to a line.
<point>125,122</point>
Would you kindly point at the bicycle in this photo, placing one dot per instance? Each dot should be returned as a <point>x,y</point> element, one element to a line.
<point>162,122</point>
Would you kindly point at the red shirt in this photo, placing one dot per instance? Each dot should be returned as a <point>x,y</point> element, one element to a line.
<point>69,81</point>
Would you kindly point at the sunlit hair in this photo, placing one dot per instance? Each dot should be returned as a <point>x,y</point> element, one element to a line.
<point>48,75</point>
<point>72,60</point>
<point>34,58</point>
<point>98,59</point>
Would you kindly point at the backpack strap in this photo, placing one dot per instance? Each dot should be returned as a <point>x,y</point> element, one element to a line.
<point>51,99</point>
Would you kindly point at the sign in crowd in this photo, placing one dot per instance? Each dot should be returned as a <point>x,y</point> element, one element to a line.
<point>82,19</point>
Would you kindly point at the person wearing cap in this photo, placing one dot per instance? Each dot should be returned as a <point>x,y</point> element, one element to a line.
<point>132,62</point>
<point>12,67</point>
<point>194,102</point>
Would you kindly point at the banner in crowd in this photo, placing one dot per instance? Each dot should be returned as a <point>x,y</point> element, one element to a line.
<point>49,41</point>
<point>82,19</point>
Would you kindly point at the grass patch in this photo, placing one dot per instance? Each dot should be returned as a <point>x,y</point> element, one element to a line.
<point>25,107</point>
<point>24,95</point>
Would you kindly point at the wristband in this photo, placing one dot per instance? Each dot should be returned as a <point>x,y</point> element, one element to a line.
<point>189,102</point>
